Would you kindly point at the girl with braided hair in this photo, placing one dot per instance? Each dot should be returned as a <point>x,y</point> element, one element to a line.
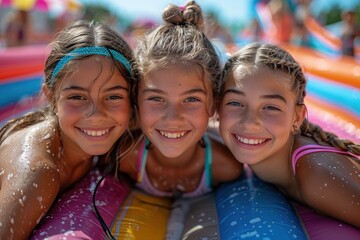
<point>179,74</point>
<point>262,121</point>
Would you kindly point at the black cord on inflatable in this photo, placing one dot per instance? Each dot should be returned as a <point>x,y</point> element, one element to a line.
<point>101,220</point>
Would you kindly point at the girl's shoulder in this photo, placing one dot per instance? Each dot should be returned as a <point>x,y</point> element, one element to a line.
<point>310,158</point>
<point>218,148</point>
<point>129,162</point>
<point>225,166</point>
<point>35,142</point>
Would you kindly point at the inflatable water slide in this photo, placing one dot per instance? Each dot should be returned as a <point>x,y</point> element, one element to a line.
<point>247,208</point>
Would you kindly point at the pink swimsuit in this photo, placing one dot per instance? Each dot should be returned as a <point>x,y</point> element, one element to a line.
<point>144,183</point>
<point>306,149</point>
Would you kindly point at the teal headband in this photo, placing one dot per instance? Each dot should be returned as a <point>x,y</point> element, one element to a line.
<point>90,51</point>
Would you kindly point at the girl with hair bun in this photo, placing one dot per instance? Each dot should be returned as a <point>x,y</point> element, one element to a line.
<point>179,75</point>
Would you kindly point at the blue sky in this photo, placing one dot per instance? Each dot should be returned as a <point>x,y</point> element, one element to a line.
<point>228,10</point>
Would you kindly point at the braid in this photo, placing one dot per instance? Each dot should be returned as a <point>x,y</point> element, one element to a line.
<point>319,135</point>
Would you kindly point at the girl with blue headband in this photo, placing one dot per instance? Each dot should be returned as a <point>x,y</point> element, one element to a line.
<point>88,86</point>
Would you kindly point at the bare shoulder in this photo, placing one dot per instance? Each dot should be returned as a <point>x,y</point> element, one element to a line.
<point>128,162</point>
<point>29,145</point>
<point>322,176</point>
<point>322,168</point>
<point>30,151</point>
<point>29,178</point>
<point>225,167</point>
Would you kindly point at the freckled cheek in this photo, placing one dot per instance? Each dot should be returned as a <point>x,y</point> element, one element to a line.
<point>275,121</point>
<point>68,110</point>
<point>227,117</point>
<point>120,112</point>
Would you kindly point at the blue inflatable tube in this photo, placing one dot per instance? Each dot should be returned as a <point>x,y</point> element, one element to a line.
<point>252,209</point>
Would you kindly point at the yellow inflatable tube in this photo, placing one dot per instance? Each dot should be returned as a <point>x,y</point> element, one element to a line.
<point>142,216</point>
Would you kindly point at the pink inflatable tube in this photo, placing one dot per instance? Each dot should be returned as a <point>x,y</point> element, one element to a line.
<point>323,228</point>
<point>73,216</point>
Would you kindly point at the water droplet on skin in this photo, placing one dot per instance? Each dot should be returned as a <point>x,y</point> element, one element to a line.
<point>47,136</point>
<point>9,176</point>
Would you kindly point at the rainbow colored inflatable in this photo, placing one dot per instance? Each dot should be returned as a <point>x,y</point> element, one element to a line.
<point>247,208</point>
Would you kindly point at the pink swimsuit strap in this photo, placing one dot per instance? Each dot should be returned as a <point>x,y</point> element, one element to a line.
<point>313,148</point>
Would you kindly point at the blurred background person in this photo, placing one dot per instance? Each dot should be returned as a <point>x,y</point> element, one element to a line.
<point>350,31</point>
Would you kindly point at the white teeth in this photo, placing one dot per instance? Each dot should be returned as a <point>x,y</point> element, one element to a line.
<point>250,141</point>
<point>95,133</point>
<point>172,135</point>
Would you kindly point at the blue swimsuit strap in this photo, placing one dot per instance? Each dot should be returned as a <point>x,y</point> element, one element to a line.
<point>143,159</point>
<point>208,160</point>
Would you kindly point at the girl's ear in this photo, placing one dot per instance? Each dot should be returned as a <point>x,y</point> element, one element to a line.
<point>300,114</point>
<point>47,92</point>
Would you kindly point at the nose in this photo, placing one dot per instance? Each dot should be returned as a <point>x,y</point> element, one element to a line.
<point>250,119</point>
<point>96,110</point>
<point>173,112</point>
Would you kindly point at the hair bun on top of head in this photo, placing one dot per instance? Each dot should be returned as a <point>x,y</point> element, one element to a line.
<point>191,13</point>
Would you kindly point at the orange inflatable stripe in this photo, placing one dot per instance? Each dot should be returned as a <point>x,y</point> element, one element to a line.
<point>318,105</point>
<point>313,26</point>
<point>344,70</point>
<point>20,71</point>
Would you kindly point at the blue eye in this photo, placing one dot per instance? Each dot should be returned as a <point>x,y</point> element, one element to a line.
<point>236,104</point>
<point>192,99</point>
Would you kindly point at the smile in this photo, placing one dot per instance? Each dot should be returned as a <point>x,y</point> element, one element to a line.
<point>172,135</point>
<point>248,141</point>
<point>94,133</point>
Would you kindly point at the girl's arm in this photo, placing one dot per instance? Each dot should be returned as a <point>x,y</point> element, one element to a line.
<point>29,186</point>
<point>330,183</point>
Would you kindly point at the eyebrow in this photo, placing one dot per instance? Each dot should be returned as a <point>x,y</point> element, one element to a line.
<point>191,91</point>
<point>117,87</point>
<point>266,96</point>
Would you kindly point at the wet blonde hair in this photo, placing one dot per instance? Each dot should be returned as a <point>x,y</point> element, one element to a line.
<point>275,58</point>
<point>180,40</point>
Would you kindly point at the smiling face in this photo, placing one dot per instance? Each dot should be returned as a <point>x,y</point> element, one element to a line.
<point>93,107</point>
<point>257,114</point>
<point>173,109</point>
